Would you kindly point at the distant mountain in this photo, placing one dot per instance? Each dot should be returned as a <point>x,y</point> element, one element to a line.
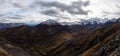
<point>9,25</point>
<point>89,23</point>
<point>49,22</point>
<point>92,21</point>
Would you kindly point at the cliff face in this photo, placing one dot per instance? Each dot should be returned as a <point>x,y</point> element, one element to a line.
<point>59,40</point>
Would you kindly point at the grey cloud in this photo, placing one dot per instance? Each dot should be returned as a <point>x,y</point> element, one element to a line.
<point>106,12</point>
<point>2,15</point>
<point>3,20</point>
<point>17,5</point>
<point>50,12</point>
<point>117,13</point>
<point>75,8</point>
<point>53,13</point>
<point>117,6</point>
<point>15,17</point>
<point>80,3</point>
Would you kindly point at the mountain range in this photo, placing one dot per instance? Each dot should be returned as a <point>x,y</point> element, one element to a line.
<point>82,22</point>
<point>51,38</point>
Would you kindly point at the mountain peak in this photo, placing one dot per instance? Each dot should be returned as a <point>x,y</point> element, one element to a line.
<point>50,22</point>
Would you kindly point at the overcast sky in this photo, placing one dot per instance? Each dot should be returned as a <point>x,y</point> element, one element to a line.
<point>60,10</point>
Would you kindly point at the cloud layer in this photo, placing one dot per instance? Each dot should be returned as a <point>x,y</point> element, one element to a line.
<point>60,10</point>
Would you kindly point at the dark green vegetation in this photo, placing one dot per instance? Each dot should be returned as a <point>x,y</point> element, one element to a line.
<point>59,40</point>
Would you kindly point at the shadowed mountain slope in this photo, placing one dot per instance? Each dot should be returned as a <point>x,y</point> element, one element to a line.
<point>40,38</point>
